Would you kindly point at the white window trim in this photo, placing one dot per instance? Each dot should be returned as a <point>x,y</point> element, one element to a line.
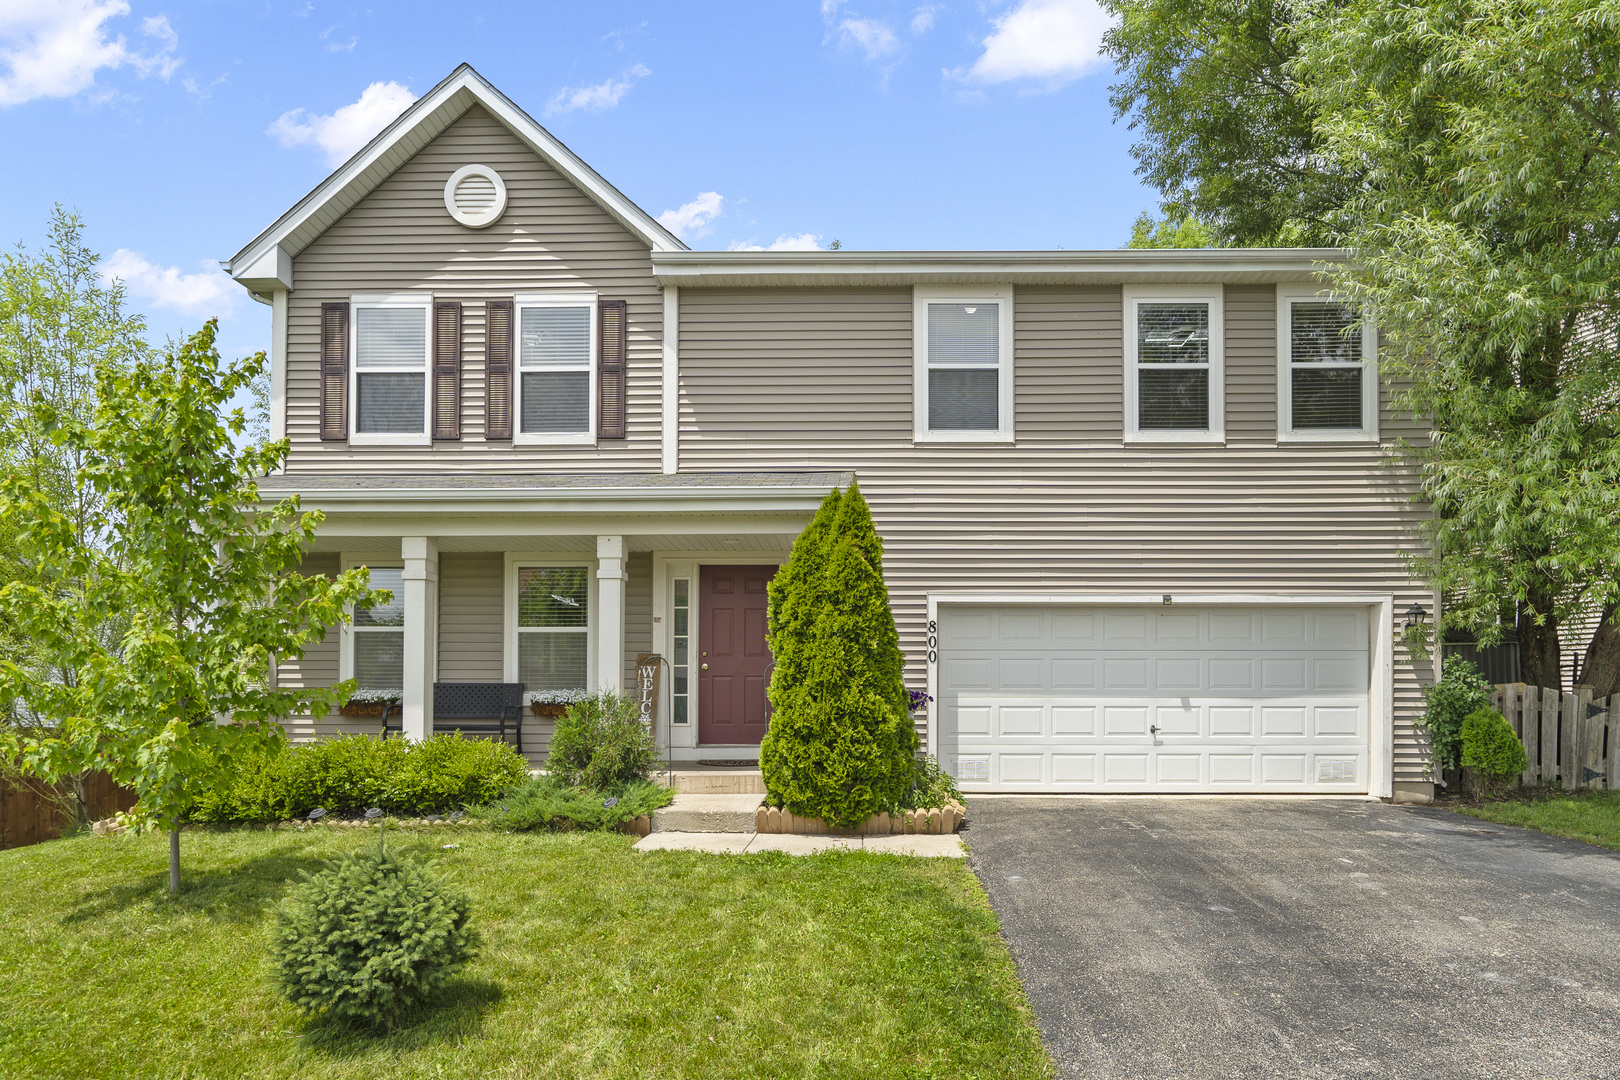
<point>424,301</point>
<point>1214,296</point>
<point>1368,432</point>
<point>516,560</point>
<point>346,644</point>
<point>1002,297</point>
<point>560,298</point>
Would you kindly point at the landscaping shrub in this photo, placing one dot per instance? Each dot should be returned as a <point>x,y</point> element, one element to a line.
<point>1461,691</point>
<point>373,935</point>
<point>1490,749</point>
<point>931,785</point>
<point>355,772</point>
<point>546,802</point>
<point>840,745</point>
<point>601,743</point>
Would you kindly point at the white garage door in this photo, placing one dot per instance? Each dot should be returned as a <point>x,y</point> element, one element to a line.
<point>1182,698</point>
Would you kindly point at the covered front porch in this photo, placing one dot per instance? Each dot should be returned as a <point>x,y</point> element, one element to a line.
<point>651,585</point>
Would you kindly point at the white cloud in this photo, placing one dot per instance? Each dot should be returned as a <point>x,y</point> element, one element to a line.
<point>691,220</point>
<point>207,293</point>
<point>337,44</point>
<point>598,98</point>
<point>785,242</point>
<point>1052,41</point>
<point>922,20</point>
<point>55,49</point>
<point>872,36</point>
<point>347,129</point>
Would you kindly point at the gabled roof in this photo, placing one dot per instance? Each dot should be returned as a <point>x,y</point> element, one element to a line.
<point>266,263</point>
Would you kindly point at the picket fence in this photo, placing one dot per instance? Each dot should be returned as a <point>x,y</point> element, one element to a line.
<point>1568,736</point>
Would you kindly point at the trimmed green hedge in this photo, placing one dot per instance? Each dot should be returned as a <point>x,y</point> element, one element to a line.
<point>355,772</point>
<point>1490,749</point>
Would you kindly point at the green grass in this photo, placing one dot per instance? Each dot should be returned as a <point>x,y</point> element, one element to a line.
<point>598,962</point>
<point>1587,814</point>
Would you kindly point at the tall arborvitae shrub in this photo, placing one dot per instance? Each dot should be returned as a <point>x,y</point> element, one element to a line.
<point>793,602</point>
<point>841,746</point>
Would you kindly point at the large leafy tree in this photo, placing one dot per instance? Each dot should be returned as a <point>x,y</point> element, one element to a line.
<point>203,577</point>
<point>1465,152</point>
<point>1223,133</point>
<point>1484,239</point>
<point>59,323</point>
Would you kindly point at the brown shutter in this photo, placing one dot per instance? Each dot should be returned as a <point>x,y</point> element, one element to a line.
<point>611,368</point>
<point>498,369</point>
<point>335,371</point>
<point>446,370</point>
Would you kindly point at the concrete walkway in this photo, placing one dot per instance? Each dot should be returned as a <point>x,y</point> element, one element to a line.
<point>739,843</point>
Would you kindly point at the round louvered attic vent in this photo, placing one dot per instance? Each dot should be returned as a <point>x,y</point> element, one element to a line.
<point>475,196</point>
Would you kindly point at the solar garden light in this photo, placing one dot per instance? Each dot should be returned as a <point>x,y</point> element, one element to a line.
<point>374,814</point>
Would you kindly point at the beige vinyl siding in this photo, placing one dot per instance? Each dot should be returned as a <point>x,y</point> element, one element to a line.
<point>400,239</point>
<point>821,379</point>
<point>471,617</point>
<point>638,604</point>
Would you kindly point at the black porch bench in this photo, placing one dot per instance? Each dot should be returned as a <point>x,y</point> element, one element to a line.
<point>496,704</point>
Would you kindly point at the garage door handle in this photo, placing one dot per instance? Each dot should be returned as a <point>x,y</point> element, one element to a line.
<point>1153,729</point>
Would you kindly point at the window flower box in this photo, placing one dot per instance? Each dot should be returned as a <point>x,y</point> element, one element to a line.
<point>552,703</point>
<point>368,703</point>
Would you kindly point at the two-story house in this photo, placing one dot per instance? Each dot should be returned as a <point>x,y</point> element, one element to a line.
<point>1140,532</point>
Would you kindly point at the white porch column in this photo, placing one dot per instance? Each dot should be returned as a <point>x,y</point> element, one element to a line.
<point>610,579</point>
<point>421,557</point>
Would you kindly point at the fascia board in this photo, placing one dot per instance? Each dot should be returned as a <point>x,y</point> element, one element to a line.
<point>619,501</point>
<point>436,110</point>
<point>1211,264</point>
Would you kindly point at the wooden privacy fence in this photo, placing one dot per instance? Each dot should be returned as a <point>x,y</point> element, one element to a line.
<point>27,816</point>
<point>1569,736</point>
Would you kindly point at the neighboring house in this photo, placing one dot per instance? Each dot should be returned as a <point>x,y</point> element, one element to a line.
<point>1140,535</point>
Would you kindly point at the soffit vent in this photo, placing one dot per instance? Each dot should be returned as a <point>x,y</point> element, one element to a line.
<point>475,196</point>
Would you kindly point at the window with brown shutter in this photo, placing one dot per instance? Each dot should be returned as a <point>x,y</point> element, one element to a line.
<point>498,369</point>
<point>335,371</point>
<point>446,370</point>
<point>612,362</point>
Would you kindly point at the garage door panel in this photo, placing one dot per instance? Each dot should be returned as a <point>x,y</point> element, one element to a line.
<point>1177,719</point>
<point>1179,673</point>
<point>1063,698</point>
<point>1122,673</point>
<point>1073,673</point>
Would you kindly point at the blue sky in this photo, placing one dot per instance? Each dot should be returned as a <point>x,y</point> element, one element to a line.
<point>179,130</point>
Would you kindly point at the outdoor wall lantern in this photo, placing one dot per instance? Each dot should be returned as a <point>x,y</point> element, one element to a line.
<point>1416,615</point>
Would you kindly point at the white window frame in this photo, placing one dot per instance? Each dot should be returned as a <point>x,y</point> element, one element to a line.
<point>346,646</point>
<point>424,301</point>
<point>1368,431</point>
<point>571,298</point>
<point>523,560</point>
<point>1002,297</point>
<point>1214,296</point>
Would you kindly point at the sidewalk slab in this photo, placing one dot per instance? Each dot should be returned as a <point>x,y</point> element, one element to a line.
<point>792,844</point>
<point>939,847</point>
<point>712,842</point>
<point>740,843</point>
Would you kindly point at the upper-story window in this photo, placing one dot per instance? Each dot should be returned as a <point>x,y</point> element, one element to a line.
<point>556,368</point>
<point>390,399</point>
<point>1327,380</point>
<point>1174,365</point>
<point>964,365</point>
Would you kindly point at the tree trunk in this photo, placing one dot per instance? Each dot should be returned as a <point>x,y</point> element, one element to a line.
<point>1538,649</point>
<point>174,860</point>
<point>1600,668</point>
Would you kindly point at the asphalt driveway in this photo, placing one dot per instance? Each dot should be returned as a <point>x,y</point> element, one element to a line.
<point>1293,938</point>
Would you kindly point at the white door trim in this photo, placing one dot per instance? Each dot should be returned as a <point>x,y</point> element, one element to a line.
<point>1381,701</point>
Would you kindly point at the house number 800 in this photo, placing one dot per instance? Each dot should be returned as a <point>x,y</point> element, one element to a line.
<point>933,641</point>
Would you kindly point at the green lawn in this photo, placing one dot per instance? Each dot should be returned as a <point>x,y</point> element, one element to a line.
<point>1593,816</point>
<point>598,961</point>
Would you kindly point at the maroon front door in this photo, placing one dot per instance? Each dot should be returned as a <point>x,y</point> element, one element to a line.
<point>732,658</point>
